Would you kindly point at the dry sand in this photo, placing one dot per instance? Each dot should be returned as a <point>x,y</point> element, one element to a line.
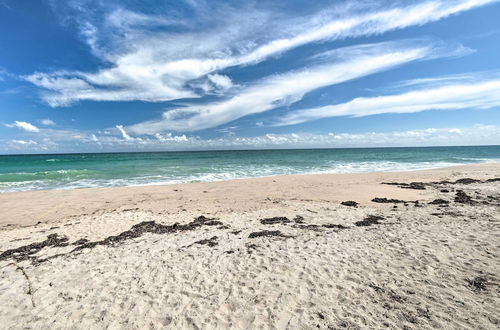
<point>142,257</point>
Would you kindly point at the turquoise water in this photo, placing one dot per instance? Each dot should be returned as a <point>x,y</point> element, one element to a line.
<point>68,171</point>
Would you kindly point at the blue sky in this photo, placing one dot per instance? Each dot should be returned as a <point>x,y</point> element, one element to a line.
<point>90,76</point>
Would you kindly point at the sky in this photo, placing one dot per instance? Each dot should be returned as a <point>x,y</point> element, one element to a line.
<point>144,75</point>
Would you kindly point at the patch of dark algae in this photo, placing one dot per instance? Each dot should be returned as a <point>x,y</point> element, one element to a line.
<point>25,252</point>
<point>369,220</point>
<point>53,240</point>
<point>268,233</point>
<point>152,227</point>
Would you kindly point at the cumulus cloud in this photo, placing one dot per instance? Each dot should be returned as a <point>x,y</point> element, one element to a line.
<point>24,126</point>
<point>155,64</point>
<point>288,88</point>
<point>482,94</point>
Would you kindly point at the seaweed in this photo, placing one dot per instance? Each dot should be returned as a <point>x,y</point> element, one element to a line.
<point>391,200</point>
<point>411,185</point>
<point>462,197</point>
<point>439,201</point>
<point>350,203</point>
<point>26,251</point>
<point>478,283</point>
<point>53,240</point>
<point>211,242</point>
<point>275,220</point>
<point>267,233</point>
<point>369,221</point>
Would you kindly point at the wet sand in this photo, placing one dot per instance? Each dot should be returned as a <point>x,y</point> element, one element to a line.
<point>303,251</point>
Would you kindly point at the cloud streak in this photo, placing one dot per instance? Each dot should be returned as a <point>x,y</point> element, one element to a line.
<point>484,94</point>
<point>22,125</point>
<point>285,89</point>
<point>159,66</point>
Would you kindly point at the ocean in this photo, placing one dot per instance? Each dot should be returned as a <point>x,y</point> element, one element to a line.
<point>70,171</point>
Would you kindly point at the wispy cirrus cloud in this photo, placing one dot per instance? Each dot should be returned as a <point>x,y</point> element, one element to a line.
<point>466,91</point>
<point>47,122</point>
<point>284,89</point>
<point>154,59</point>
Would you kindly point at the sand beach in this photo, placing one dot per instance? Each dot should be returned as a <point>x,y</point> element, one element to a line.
<point>401,250</point>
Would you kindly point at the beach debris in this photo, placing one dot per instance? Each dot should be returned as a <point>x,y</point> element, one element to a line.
<point>152,227</point>
<point>411,185</point>
<point>439,201</point>
<point>444,191</point>
<point>267,233</point>
<point>320,227</point>
<point>467,181</point>
<point>423,185</point>
<point>298,219</point>
<point>53,240</point>
<point>451,213</point>
<point>478,283</point>
<point>350,203</point>
<point>308,227</point>
<point>334,226</point>
<point>211,242</point>
<point>387,200</point>
<point>275,220</point>
<point>369,220</point>
<point>26,251</point>
<point>462,197</point>
<point>81,241</point>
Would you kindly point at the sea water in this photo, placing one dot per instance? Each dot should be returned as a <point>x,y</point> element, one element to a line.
<point>69,171</point>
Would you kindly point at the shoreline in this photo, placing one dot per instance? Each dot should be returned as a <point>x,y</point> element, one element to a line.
<point>31,207</point>
<point>260,177</point>
<point>281,252</point>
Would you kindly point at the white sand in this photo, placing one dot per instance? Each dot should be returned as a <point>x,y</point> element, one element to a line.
<point>410,271</point>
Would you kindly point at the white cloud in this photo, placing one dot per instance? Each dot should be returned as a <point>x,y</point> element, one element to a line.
<point>124,133</point>
<point>64,141</point>
<point>158,66</point>
<point>285,89</point>
<point>24,126</point>
<point>477,95</point>
<point>23,142</point>
<point>47,122</point>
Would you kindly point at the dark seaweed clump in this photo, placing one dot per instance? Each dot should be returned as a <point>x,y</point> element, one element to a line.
<point>275,220</point>
<point>267,233</point>
<point>478,283</point>
<point>411,185</point>
<point>369,220</point>
<point>462,197</point>
<point>211,242</point>
<point>439,201</point>
<point>26,251</point>
<point>391,200</point>
<point>152,227</point>
<point>53,240</point>
<point>349,203</point>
